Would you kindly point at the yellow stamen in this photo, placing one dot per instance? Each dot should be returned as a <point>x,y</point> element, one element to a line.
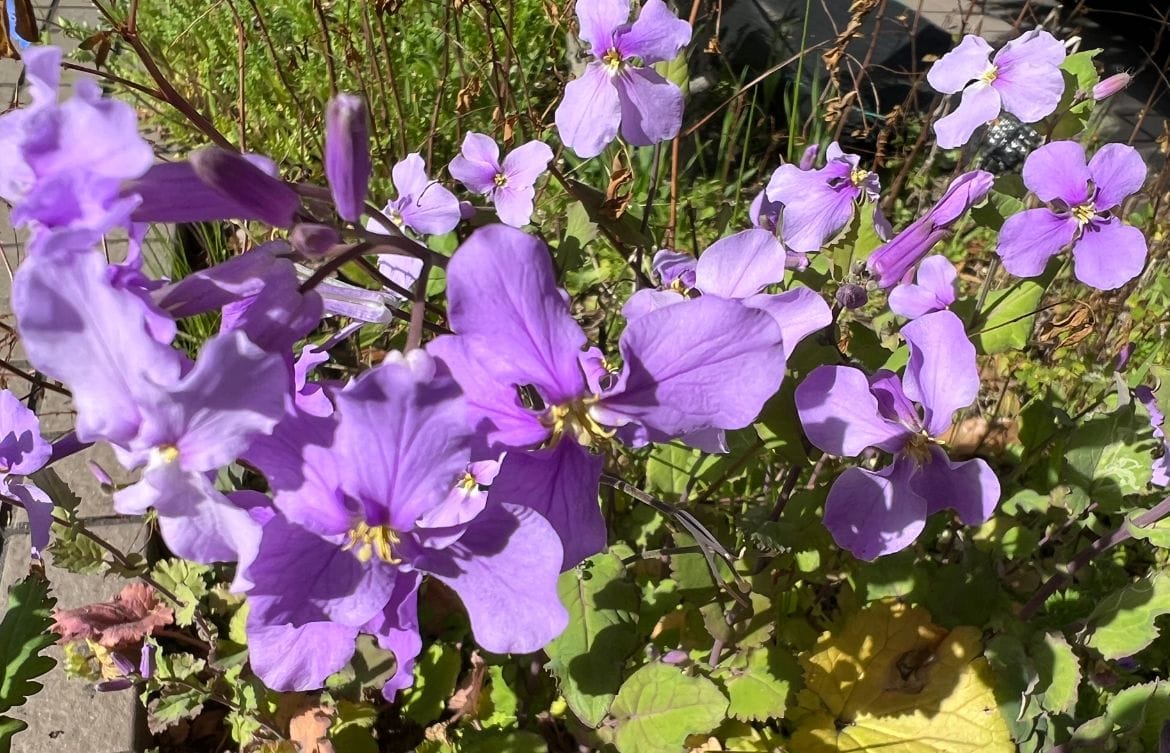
<point>468,483</point>
<point>857,176</point>
<point>990,75</point>
<point>575,420</point>
<point>366,541</point>
<point>918,448</point>
<point>500,180</point>
<point>168,453</point>
<point>1084,213</point>
<point>612,60</point>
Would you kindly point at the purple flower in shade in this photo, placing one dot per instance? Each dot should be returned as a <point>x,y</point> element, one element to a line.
<point>844,412</point>
<point>347,154</point>
<point>24,451</point>
<point>1083,201</point>
<point>818,204</point>
<point>510,185</point>
<point>1161,468</point>
<point>1023,78</point>
<point>423,205</point>
<point>347,554</point>
<point>619,89</point>
<point>62,164</point>
<point>933,291</point>
<point>533,391</point>
<point>892,262</point>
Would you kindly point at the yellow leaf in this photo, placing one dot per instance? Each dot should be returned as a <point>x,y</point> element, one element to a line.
<point>889,680</point>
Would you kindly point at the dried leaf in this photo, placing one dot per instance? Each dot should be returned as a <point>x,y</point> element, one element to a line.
<point>133,614</point>
<point>310,730</point>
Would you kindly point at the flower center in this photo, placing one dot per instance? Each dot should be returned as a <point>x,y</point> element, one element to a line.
<point>612,60</point>
<point>1084,213</point>
<point>990,75</point>
<point>574,419</point>
<point>467,482</point>
<point>167,453</point>
<point>366,541</point>
<point>396,217</point>
<point>918,448</point>
<point>857,176</point>
<point>500,180</point>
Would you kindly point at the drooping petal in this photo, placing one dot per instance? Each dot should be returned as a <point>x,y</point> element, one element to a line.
<point>937,274</point>
<point>651,106</point>
<point>505,569</point>
<point>840,414</point>
<point>874,514</point>
<point>500,286</point>
<point>814,211</point>
<point>213,288</point>
<point>590,112</point>
<point>79,329</point>
<point>347,154</point>
<point>967,61</point>
<point>1029,239</point>
<point>799,312</point>
<point>942,374</point>
<point>892,262</point>
<point>396,629</point>
<point>705,363</point>
<point>740,265</point>
<point>962,193</point>
<point>402,439</point>
<point>893,404</point>
<point>599,20</point>
<point>912,301</point>
<point>646,300</point>
<point>39,509</point>
<point>968,487</point>
<point>1058,171</point>
<point>22,448</point>
<point>477,164</point>
<point>980,104</point>
<point>561,484</point>
<point>514,205</point>
<point>657,35</point>
<point>672,267</point>
<point>298,657</point>
<point>527,162</point>
<point>1118,171</point>
<point>1109,254</point>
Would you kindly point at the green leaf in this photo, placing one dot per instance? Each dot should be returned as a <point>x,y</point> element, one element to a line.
<point>587,658</point>
<point>1123,623</point>
<point>1136,712</point>
<point>658,707</point>
<point>186,580</point>
<point>24,633</point>
<point>1105,460</point>
<point>75,553</point>
<point>502,741</point>
<point>1157,533</point>
<point>1004,200</point>
<point>1059,673</point>
<point>669,467</point>
<point>180,691</point>
<point>1006,320</point>
<point>8,729</point>
<point>675,70</point>
<point>434,682</point>
<point>859,240</point>
<point>1080,76</point>
<point>759,683</point>
<point>579,233</point>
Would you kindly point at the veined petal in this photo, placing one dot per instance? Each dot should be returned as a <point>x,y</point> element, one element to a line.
<point>980,105</point>
<point>590,112</point>
<point>477,164</point>
<point>527,162</point>
<point>969,487</point>
<point>969,60</point>
<point>874,514</point>
<point>22,448</point>
<point>514,205</point>
<point>657,35</point>
<point>298,657</point>
<point>1109,254</point>
<point>432,211</point>
<point>814,211</point>
<point>651,106</point>
<point>410,175</point>
<point>1029,239</point>
<point>799,312</point>
<point>1058,171</point>
<point>942,374</point>
<point>840,414</point>
<point>506,558</point>
<point>1118,171</point>
<point>740,265</point>
<point>1029,91</point>
<point>599,20</point>
<point>646,300</point>
<point>396,629</point>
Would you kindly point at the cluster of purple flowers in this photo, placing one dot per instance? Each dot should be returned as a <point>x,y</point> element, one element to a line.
<point>476,458</point>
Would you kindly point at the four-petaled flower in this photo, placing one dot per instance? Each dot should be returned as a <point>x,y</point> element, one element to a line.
<point>511,184</point>
<point>1023,78</point>
<point>423,205</point>
<point>1083,201</point>
<point>23,451</point>
<point>619,89</point>
<point>845,412</point>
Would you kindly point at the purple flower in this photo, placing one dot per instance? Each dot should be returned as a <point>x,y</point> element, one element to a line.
<point>893,261</point>
<point>510,185</point>
<point>347,154</point>
<point>707,363</point>
<point>844,412</point>
<point>423,205</point>
<point>1023,78</point>
<point>818,204</point>
<point>619,89</point>
<point>24,451</point>
<point>376,522</point>
<point>933,291</point>
<point>62,164</point>
<point>1082,212</point>
<point>1161,468</point>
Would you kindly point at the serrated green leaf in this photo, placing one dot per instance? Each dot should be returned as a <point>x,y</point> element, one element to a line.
<point>658,707</point>
<point>75,553</point>
<point>435,675</point>
<point>8,729</point>
<point>1135,713</point>
<point>759,684</point>
<point>187,581</point>
<point>24,633</point>
<point>587,658</point>
<point>1123,623</point>
<point>1058,673</point>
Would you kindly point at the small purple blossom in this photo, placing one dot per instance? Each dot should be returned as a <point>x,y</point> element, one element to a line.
<point>844,412</point>
<point>619,89</point>
<point>818,204</point>
<point>933,289</point>
<point>423,205</point>
<point>1160,475</point>
<point>1023,78</point>
<point>511,184</point>
<point>24,451</point>
<point>891,262</point>
<point>1083,206</point>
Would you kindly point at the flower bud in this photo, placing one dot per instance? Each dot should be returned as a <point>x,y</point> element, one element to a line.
<point>313,240</point>
<point>1111,85</point>
<point>347,154</point>
<point>852,296</point>
<point>255,192</point>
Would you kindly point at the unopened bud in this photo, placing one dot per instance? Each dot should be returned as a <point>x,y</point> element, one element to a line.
<point>1111,85</point>
<point>313,240</point>
<point>852,296</point>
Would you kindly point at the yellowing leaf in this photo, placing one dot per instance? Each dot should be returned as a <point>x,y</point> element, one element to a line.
<point>889,679</point>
